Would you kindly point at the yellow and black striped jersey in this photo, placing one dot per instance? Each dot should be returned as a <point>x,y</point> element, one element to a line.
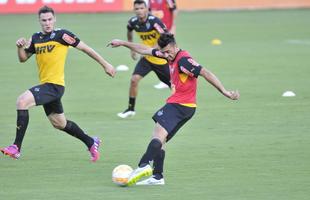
<point>149,32</point>
<point>51,51</point>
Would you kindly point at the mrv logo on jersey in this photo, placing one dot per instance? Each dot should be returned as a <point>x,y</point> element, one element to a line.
<point>45,49</point>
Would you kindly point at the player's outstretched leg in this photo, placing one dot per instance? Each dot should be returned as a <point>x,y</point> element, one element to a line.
<point>21,126</point>
<point>133,91</point>
<point>92,143</point>
<point>144,168</point>
<point>157,178</point>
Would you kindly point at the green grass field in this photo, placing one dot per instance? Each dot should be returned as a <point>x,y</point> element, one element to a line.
<point>255,149</point>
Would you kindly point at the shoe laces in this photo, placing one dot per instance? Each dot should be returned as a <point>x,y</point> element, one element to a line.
<point>94,147</point>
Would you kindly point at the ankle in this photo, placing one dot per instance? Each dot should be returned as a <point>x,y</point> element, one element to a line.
<point>158,176</point>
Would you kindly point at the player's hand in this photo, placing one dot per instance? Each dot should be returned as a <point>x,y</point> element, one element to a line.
<point>109,69</point>
<point>234,95</point>
<point>21,42</point>
<point>134,55</point>
<point>115,43</point>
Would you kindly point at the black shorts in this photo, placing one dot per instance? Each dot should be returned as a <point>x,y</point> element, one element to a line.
<point>172,117</point>
<point>143,67</point>
<point>49,95</point>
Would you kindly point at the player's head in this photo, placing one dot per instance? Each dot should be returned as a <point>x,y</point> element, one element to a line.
<point>47,19</point>
<point>140,9</point>
<point>167,45</point>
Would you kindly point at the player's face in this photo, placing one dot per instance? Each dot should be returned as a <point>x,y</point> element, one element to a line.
<point>170,51</point>
<point>141,10</point>
<point>47,21</point>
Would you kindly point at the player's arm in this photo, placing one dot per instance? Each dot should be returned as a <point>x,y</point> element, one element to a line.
<point>22,54</point>
<point>139,48</point>
<point>129,35</point>
<point>109,69</point>
<point>213,80</point>
<point>133,54</point>
<point>173,26</point>
<point>70,39</point>
<point>173,8</point>
<point>190,67</point>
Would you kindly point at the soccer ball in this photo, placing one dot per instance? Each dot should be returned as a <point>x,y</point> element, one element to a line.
<point>121,174</point>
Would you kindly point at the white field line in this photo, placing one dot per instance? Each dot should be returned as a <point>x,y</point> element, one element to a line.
<point>298,42</point>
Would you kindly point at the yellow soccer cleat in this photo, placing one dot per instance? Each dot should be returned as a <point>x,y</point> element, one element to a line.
<point>138,173</point>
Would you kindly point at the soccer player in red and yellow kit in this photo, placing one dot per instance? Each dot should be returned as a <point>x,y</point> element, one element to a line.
<point>50,47</point>
<point>179,108</point>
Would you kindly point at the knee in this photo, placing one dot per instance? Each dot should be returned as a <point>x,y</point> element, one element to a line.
<point>21,103</point>
<point>134,81</point>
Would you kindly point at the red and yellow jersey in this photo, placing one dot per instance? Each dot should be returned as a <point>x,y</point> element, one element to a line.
<point>149,32</point>
<point>163,9</point>
<point>183,73</point>
<point>51,53</point>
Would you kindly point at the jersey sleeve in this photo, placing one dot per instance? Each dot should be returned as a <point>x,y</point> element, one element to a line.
<point>160,26</point>
<point>30,48</point>
<point>189,66</point>
<point>68,38</point>
<point>130,25</point>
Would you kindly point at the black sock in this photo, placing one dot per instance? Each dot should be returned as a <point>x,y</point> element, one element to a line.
<point>132,103</point>
<point>21,126</point>
<point>159,164</point>
<point>74,130</point>
<point>152,150</point>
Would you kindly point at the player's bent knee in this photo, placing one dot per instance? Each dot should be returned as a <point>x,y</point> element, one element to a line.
<point>21,103</point>
<point>134,80</point>
<point>25,101</point>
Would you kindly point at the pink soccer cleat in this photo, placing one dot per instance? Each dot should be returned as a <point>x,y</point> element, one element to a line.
<point>11,151</point>
<point>94,152</point>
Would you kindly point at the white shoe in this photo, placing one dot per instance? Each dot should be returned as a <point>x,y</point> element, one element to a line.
<point>138,173</point>
<point>161,85</point>
<point>152,181</point>
<point>126,113</point>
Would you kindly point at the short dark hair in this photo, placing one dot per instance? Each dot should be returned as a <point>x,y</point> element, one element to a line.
<point>139,2</point>
<point>46,9</point>
<point>165,39</point>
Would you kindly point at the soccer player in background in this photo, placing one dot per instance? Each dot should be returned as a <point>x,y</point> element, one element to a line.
<point>148,29</point>
<point>51,47</point>
<point>166,10</point>
<point>179,107</point>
